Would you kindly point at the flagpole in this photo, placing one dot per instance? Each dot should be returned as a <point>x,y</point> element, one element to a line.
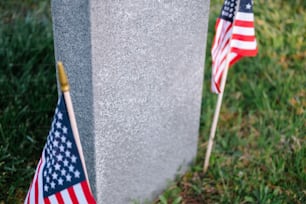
<point>65,89</point>
<point>251,51</point>
<point>216,115</point>
<point>218,106</point>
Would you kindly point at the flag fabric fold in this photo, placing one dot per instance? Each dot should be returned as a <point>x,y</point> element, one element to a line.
<point>234,38</point>
<point>60,176</point>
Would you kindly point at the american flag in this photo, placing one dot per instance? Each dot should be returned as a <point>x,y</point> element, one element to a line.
<point>60,177</point>
<point>235,36</point>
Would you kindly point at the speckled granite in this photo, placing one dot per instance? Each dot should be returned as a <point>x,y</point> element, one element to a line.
<point>136,70</point>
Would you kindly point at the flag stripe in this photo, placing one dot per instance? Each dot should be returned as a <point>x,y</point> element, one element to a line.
<point>221,65</point>
<point>66,197</point>
<point>243,31</point>
<point>72,195</point>
<point>234,57</point>
<point>243,23</point>
<point>53,199</point>
<point>36,191</point>
<point>241,44</point>
<point>47,200</point>
<point>87,192</point>
<point>222,47</point>
<point>222,54</point>
<point>243,37</point>
<point>244,16</point>
<point>222,34</point>
<point>59,198</point>
<point>79,193</point>
<point>245,51</point>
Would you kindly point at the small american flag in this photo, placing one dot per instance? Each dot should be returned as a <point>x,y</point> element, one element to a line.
<point>60,177</point>
<point>235,36</point>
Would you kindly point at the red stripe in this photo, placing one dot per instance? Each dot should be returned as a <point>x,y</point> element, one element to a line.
<point>244,52</point>
<point>90,199</point>
<point>217,23</point>
<point>243,37</point>
<point>219,39</point>
<point>234,60</point>
<point>72,195</point>
<point>225,46</point>
<point>241,23</point>
<point>59,198</point>
<point>221,42</point>
<point>217,85</point>
<point>226,32</point>
<point>214,41</point>
<point>36,182</point>
<point>47,201</point>
<point>218,65</point>
<point>219,52</point>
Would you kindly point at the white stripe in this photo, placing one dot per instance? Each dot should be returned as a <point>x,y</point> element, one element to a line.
<point>218,56</point>
<point>53,199</point>
<point>32,192</point>
<point>245,16</point>
<point>221,34</point>
<point>79,193</point>
<point>218,49</point>
<point>243,31</point>
<point>218,61</point>
<point>220,70</point>
<point>245,45</point>
<point>32,195</point>
<point>40,179</point>
<point>37,177</point>
<point>66,196</point>
<point>219,73</point>
<point>213,87</point>
<point>232,56</point>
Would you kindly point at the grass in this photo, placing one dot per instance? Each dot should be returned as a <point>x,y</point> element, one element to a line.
<point>260,147</point>
<point>27,93</point>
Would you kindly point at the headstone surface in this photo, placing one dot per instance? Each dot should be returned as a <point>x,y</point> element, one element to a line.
<point>136,69</point>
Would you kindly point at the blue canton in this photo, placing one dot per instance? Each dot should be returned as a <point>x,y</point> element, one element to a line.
<point>228,10</point>
<point>246,6</point>
<point>63,165</point>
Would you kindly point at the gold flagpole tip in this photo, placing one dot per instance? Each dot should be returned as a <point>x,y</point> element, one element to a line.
<point>62,77</point>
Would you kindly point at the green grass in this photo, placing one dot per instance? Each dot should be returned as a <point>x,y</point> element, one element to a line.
<point>260,146</point>
<point>27,93</point>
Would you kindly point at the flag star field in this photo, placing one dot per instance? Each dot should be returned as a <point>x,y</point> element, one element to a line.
<point>60,177</point>
<point>228,10</point>
<point>63,168</point>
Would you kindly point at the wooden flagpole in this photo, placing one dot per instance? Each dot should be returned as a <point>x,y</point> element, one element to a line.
<point>218,106</point>
<point>63,79</point>
<point>216,115</point>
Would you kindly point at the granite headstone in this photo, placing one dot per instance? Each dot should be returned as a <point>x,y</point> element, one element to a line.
<point>136,71</point>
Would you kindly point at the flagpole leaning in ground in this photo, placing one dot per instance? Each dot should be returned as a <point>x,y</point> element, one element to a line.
<point>64,84</point>
<point>219,103</point>
<point>216,114</point>
<point>242,43</point>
